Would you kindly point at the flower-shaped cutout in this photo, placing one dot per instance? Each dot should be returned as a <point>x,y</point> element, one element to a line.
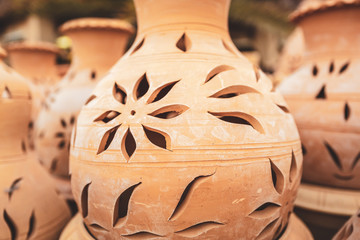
<point>129,103</point>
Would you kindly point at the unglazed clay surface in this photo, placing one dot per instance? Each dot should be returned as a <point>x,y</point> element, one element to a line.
<point>351,229</point>
<point>30,207</point>
<point>324,97</point>
<point>97,44</point>
<point>184,138</point>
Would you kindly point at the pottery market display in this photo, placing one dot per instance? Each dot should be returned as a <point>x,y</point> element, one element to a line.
<point>324,97</point>
<point>36,62</point>
<point>97,45</point>
<point>184,138</point>
<point>29,204</point>
<point>351,230</point>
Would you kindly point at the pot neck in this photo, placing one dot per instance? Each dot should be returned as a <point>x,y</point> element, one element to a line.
<point>155,14</point>
<point>35,64</point>
<point>97,49</point>
<point>333,33</point>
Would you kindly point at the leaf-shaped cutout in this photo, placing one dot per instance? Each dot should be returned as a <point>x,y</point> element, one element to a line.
<point>141,235</point>
<point>84,200</point>
<point>277,178</point>
<point>63,123</point>
<point>170,111</point>
<point>283,108</point>
<point>239,118</point>
<point>344,67</point>
<point>322,93</point>
<point>186,195</point>
<point>331,67</point>
<point>92,97</point>
<point>233,91</point>
<point>14,185</point>
<point>227,47</point>
<point>107,139</point>
<point>61,144</point>
<point>31,225</point>
<point>257,72</point>
<point>264,234</point>
<point>11,225</point>
<point>53,165</point>
<point>303,148</point>
<point>315,71</point>
<point>266,210</point>
<point>218,70</point>
<point>23,146</point>
<point>97,227</point>
<point>293,167</point>
<point>138,46</point>
<point>107,116</point>
<point>157,137</point>
<point>128,145</point>
<point>122,205</point>
<point>346,111</point>
<point>356,160</point>
<point>119,93</point>
<point>88,231</point>
<point>334,156</point>
<point>161,92</point>
<point>198,229</point>
<point>141,87</point>
<point>6,93</point>
<point>59,135</point>
<point>183,43</point>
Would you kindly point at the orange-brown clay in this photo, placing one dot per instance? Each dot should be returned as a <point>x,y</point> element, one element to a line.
<point>184,138</point>
<point>324,96</point>
<point>351,229</point>
<point>97,44</point>
<point>30,207</point>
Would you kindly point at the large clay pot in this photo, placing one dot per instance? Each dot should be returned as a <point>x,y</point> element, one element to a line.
<point>184,137</point>
<point>29,204</point>
<point>351,230</point>
<point>97,44</point>
<point>36,62</point>
<point>324,96</point>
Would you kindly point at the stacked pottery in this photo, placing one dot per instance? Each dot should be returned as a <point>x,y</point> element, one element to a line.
<point>184,138</point>
<point>97,44</point>
<point>351,230</point>
<point>324,96</point>
<point>36,62</point>
<point>29,204</point>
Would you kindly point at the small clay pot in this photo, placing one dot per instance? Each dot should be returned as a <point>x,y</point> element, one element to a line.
<point>323,95</point>
<point>96,45</point>
<point>351,230</point>
<point>184,138</point>
<point>30,206</point>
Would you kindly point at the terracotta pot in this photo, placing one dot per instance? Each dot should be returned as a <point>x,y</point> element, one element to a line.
<point>184,137</point>
<point>351,230</point>
<point>30,207</point>
<point>97,44</point>
<point>35,61</point>
<point>324,96</point>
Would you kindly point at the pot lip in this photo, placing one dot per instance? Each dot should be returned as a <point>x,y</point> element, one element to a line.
<point>97,23</point>
<point>3,53</point>
<point>310,7</point>
<point>33,46</point>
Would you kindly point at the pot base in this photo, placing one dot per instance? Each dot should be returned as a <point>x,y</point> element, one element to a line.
<point>76,230</point>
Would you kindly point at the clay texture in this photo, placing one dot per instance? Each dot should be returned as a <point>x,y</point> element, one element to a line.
<point>184,138</point>
<point>323,95</point>
<point>97,44</point>
<point>351,229</point>
<point>29,204</point>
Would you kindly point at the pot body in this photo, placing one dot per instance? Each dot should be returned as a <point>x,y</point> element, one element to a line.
<point>184,137</point>
<point>95,49</point>
<point>29,204</point>
<point>324,97</point>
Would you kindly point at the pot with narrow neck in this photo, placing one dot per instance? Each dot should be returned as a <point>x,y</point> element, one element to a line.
<point>184,137</point>
<point>96,44</point>
<point>324,94</point>
<point>30,205</point>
